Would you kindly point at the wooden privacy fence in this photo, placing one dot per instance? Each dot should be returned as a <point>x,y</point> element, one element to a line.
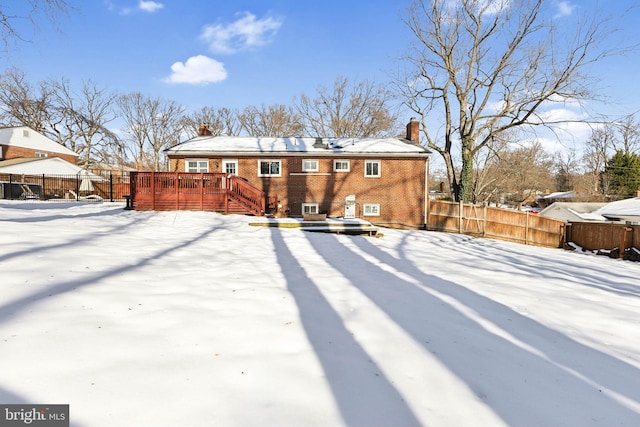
<point>504,224</point>
<point>606,236</point>
<point>195,191</point>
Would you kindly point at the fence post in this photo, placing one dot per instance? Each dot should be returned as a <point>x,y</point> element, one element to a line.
<point>10,186</point>
<point>110,186</point>
<point>526,228</point>
<point>42,193</point>
<point>625,241</point>
<point>484,220</point>
<point>460,209</point>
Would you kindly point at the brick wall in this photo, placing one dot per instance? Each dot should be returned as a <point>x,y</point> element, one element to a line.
<point>400,189</point>
<point>13,152</point>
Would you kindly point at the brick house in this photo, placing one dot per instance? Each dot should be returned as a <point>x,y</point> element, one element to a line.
<point>382,180</point>
<point>24,142</point>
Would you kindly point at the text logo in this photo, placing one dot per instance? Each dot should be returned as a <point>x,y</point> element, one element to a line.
<point>34,415</point>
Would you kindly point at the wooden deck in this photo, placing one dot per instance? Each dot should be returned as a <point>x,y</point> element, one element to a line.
<point>216,192</point>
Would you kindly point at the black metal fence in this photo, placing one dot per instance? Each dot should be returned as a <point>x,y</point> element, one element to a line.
<point>66,187</point>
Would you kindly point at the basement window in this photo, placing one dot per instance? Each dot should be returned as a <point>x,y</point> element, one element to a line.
<point>371,209</point>
<point>40,155</point>
<point>309,208</point>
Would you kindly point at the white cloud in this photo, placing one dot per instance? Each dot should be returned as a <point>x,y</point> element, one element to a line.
<point>198,69</point>
<point>150,6</point>
<point>246,32</point>
<point>565,8</point>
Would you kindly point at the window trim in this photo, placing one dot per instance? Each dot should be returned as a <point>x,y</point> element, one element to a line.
<point>225,162</point>
<point>278,161</point>
<point>315,205</point>
<point>347,161</point>
<point>377,162</point>
<point>375,206</point>
<point>198,161</point>
<point>313,169</point>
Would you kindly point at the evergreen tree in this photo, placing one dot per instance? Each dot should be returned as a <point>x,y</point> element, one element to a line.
<point>623,174</point>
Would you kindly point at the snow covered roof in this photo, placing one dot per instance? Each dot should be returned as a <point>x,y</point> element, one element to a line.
<point>24,136</point>
<point>561,195</point>
<point>43,165</point>
<point>576,211</point>
<point>239,145</point>
<point>622,210</point>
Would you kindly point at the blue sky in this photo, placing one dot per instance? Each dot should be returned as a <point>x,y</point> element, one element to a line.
<point>237,53</point>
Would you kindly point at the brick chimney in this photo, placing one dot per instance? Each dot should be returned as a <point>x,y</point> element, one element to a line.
<point>413,130</point>
<point>204,130</point>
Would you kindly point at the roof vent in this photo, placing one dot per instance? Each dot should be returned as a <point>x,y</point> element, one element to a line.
<point>319,143</point>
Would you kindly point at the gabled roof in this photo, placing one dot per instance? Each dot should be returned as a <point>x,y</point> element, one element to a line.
<point>622,210</point>
<point>239,145</point>
<point>25,137</point>
<point>39,166</point>
<point>573,211</point>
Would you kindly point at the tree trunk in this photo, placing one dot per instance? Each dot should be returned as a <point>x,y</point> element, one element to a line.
<point>465,191</point>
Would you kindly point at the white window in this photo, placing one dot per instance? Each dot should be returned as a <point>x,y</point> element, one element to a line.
<point>371,209</point>
<point>310,165</point>
<point>269,168</point>
<point>196,165</point>
<point>40,154</point>
<point>309,208</point>
<point>372,168</point>
<point>230,167</point>
<point>341,166</point>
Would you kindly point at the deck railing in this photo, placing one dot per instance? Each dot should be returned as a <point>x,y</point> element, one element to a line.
<point>194,191</point>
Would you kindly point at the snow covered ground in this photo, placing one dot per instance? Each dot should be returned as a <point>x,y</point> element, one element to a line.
<point>198,319</point>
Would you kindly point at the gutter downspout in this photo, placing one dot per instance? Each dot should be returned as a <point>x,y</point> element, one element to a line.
<point>426,193</point>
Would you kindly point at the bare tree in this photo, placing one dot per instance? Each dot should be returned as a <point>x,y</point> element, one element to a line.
<point>272,120</point>
<point>167,127</point>
<point>24,104</point>
<point>567,171</point>
<point>480,67</point>
<point>31,10</point>
<point>359,110</point>
<point>628,130</point>
<point>519,173</point>
<point>82,118</point>
<point>221,121</point>
<point>152,125</point>
<point>488,181</point>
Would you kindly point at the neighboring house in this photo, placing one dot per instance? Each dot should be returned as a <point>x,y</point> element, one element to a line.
<point>40,166</point>
<point>108,170</point>
<point>24,142</point>
<point>627,210</point>
<point>561,196</point>
<point>574,211</point>
<point>383,180</point>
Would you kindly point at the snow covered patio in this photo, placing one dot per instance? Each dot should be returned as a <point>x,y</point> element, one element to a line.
<point>180,318</point>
